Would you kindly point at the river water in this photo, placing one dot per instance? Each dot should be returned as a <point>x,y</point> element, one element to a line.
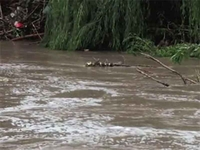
<point>50,101</point>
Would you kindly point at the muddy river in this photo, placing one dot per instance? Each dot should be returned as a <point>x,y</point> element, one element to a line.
<point>50,101</point>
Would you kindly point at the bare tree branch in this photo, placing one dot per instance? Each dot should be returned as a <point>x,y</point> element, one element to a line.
<point>168,68</point>
<point>154,79</point>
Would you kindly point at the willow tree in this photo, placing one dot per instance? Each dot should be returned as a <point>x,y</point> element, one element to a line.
<point>75,24</point>
<point>113,24</point>
<point>191,14</point>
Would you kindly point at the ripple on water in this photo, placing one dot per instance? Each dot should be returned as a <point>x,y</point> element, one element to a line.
<point>50,111</point>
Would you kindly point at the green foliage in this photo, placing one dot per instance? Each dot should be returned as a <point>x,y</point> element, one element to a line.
<point>180,52</point>
<point>134,45</point>
<point>191,12</point>
<point>119,25</point>
<point>80,24</point>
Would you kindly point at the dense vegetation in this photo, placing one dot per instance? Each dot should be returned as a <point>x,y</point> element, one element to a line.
<point>125,25</point>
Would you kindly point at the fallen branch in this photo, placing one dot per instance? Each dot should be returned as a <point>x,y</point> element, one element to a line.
<point>191,81</point>
<point>98,63</point>
<point>27,36</point>
<point>168,68</point>
<point>154,79</point>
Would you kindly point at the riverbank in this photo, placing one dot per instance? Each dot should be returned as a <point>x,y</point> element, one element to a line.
<point>83,29</point>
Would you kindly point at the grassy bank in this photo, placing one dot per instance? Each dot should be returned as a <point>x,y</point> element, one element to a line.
<point>177,52</point>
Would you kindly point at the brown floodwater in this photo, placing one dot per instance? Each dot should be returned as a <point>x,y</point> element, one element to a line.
<point>50,101</point>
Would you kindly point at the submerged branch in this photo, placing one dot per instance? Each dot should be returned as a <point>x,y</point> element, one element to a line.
<point>184,79</point>
<point>154,79</point>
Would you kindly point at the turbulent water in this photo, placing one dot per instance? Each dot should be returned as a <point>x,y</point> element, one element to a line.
<point>49,100</point>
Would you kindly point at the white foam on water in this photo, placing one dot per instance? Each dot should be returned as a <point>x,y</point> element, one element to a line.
<point>40,115</point>
<point>167,97</point>
<point>88,132</point>
<point>55,120</point>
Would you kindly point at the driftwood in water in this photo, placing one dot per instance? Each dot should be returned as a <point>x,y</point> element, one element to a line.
<point>98,63</point>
